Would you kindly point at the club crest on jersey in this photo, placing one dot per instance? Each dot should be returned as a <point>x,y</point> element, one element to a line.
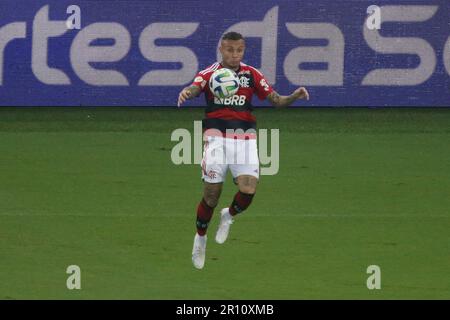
<point>236,100</point>
<point>244,82</point>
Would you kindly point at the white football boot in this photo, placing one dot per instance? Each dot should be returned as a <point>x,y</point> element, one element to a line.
<point>199,251</point>
<point>226,220</point>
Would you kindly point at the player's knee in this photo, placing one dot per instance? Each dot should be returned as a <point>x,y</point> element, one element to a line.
<point>247,189</point>
<point>247,184</point>
<point>211,194</point>
<point>211,200</point>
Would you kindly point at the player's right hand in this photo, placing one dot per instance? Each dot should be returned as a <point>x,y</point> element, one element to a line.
<point>302,93</point>
<point>184,95</point>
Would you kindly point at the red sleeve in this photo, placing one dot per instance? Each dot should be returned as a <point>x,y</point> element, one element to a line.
<point>200,81</point>
<point>262,88</point>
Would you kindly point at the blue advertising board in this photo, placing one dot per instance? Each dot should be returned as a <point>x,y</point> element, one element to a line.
<point>142,53</point>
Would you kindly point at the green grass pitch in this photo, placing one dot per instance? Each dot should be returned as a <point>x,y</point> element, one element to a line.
<point>95,187</point>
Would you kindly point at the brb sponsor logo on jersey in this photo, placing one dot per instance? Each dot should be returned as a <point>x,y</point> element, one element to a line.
<point>236,100</point>
<point>84,52</point>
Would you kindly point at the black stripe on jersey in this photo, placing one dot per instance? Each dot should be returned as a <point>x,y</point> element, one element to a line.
<point>222,125</point>
<point>211,106</point>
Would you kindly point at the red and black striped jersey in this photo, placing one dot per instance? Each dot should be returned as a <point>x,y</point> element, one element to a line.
<point>233,112</point>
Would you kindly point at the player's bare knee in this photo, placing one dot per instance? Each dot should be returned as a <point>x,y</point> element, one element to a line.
<point>211,198</point>
<point>247,189</point>
<point>211,201</point>
<point>212,194</point>
<point>247,184</point>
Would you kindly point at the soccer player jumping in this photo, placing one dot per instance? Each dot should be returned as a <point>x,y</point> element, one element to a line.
<point>231,114</point>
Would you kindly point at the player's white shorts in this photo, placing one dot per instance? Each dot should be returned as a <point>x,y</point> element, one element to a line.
<point>221,154</point>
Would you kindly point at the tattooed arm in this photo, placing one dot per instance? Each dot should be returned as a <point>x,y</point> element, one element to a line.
<point>188,93</point>
<point>284,101</point>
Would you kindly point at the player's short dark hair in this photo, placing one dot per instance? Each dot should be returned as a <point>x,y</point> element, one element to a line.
<point>232,36</point>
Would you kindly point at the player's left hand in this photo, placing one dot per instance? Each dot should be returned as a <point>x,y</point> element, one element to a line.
<point>302,93</point>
